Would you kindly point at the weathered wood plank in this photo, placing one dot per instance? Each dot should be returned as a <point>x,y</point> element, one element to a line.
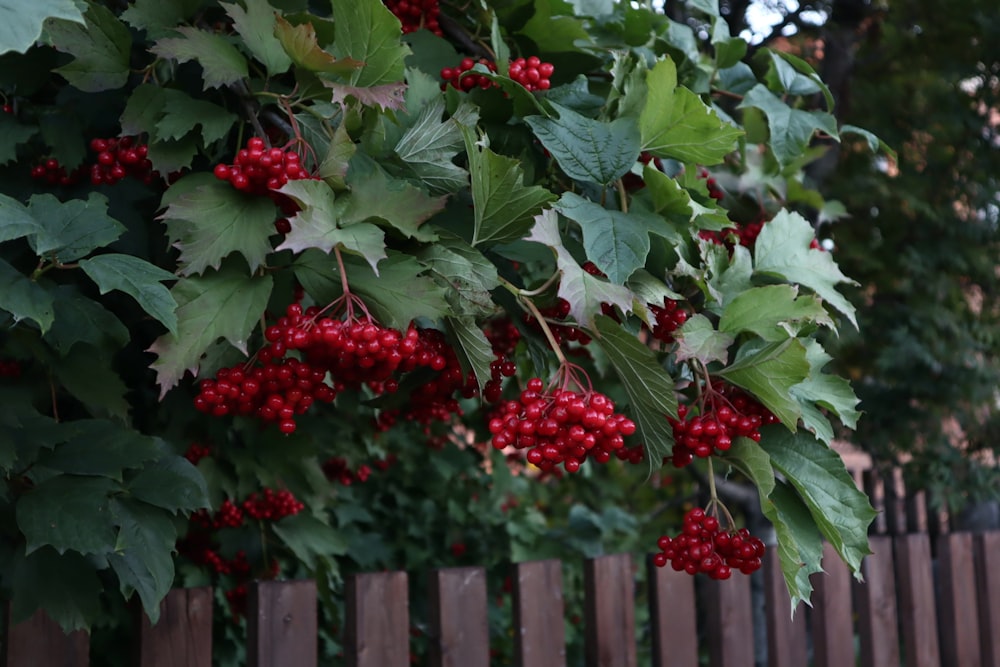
<point>988,579</point>
<point>730,622</point>
<point>832,627</point>
<point>876,605</point>
<point>786,634</point>
<point>672,617</point>
<point>460,632</point>
<point>539,632</point>
<point>609,607</point>
<point>875,490</point>
<point>281,624</point>
<point>957,605</point>
<point>182,637</point>
<point>40,641</point>
<point>377,628</point>
<point>917,605</point>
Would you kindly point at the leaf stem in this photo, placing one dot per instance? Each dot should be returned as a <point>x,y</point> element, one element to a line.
<point>543,287</point>
<point>545,330</point>
<point>622,195</point>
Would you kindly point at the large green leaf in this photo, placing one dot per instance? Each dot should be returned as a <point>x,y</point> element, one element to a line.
<point>504,205</point>
<point>74,228</point>
<point>256,24</point>
<point>468,272</point>
<point>821,389</point>
<point>366,31</point>
<point>220,304</point>
<point>791,129</point>
<point>100,448</point>
<point>427,148</point>
<point>15,220</point>
<point>773,312</point>
<point>21,22</point>
<point>88,374</point>
<point>137,278</point>
<point>144,109</point>
<point>551,26</point>
<point>587,149</point>
<point>221,63</point>
<point>171,483</point>
<point>840,510</point>
<point>394,202</point>
<point>675,123</point>
<point>158,18</point>
<point>310,539</point>
<point>65,585</point>
<point>24,298</point>
<point>12,135</point>
<point>698,339</point>
<point>215,220</point>
<point>769,373</point>
<point>143,556</point>
<point>472,347</point>
<point>616,242</point>
<point>68,512</point>
<point>649,388</point>
<point>181,114</point>
<point>782,250</point>
<point>300,43</point>
<point>80,319</point>
<point>101,49</point>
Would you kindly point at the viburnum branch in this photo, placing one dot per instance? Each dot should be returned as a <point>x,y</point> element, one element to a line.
<point>543,287</point>
<point>622,195</point>
<point>242,91</point>
<point>546,330</point>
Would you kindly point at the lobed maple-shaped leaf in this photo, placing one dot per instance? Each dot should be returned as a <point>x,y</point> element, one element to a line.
<point>221,62</point>
<point>224,304</point>
<point>782,251</point>
<point>88,374</point>
<point>83,320</point>
<point>73,228</point>
<point>143,556</point>
<point>137,278</point>
<point>12,135</point>
<point>180,114</point>
<point>465,269</point>
<point>25,299</point>
<point>397,203</point>
<point>366,31</point>
<point>584,293</point>
<point>386,96</point>
<point>159,18</point>
<point>769,372</point>
<point>429,145</point>
<point>101,49</point>
<point>215,220</point>
<point>21,22</point>
<point>299,42</point>
<point>698,339</point>
<point>256,25</point>
<point>822,390</point>
<point>333,168</point>
<point>68,512</point>
<point>17,221</point>
<point>773,312</point>
<point>791,129</point>
<point>617,242</point>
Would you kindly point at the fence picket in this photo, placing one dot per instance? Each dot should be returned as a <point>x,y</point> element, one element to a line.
<point>377,628</point>
<point>832,627</point>
<point>183,635</point>
<point>281,624</point>
<point>988,578</point>
<point>786,634</point>
<point>730,622</point>
<point>539,633</point>
<point>959,617</point>
<point>917,607</point>
<point>672,617</point>
<point>609,606</point>
<point>40,641</point>
<point>876,604</point>
<point>460,632</point>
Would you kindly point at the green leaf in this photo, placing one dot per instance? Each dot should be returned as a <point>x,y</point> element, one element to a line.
<point>88,375</point>
<point>299,42</point>
<point>12,135</point>
<point>65,585</point>
<point>465,269</point>
<point>256,25</point>
<point>698,339</point>
<point>68,512</point>
<point>675,123</point>
<point>215,220</point>
<point>427,148</point>
<point>310,539</point>
<point>318,225</point>
<point>80,319</point>
<point>791,129</point>
<point>793,75</point>
<point>143,109</point>
<point>588,150</point>
<point>650,389</point>
<point>101,448</point>
<point>25,299</point>
<point>710,7</point>
<point>15,220</point>
<point>840,510</point>
<point>170,156</point>
<point>503,206</point>
<point>616,242</point>
<point>171,483</point>
<point>333,168</point>
<point>769,373</point>
<point>377,196</point>
<point>473,348</point>
<point>874,143</point>
<point>137,278</point>
<point>773,312</point>
<point>366,31</point>
<point>222,304</point>
<point>221,63</point>
<point>829,391</point>
<point>21,23</point>
<point>101,49</point>
<point>557,33</point>
<point>157,17</point>
<point>74,228</point>
<point>782,250</point>
<point>181,113</point>
<point>584,293</point>
<point>143,556</point>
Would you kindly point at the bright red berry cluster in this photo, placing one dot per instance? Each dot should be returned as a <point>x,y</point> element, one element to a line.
<point>118,157</point>
<point>54,173</point>
<point>564,427</point>
<point>258,169</point>
<point>531,73</point>
<point>729,413</point>
<point>272,505</point>
<point>337,469</point>
<point>416,14</point>
<point>703,546</point>
<point>196,452</point>
<point>463,79</point>
<point>669,318</point>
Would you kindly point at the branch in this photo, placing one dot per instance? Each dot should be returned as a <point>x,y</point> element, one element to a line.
<point>454,31</point>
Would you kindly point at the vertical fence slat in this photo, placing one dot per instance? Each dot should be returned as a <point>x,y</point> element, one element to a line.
<point>832,627</point>
<point>988,577</point>
<point>917,604</point>
<point>730,624</point>
<point>460,632</point>
<point>183,635</point>
<point>876,604</point>
<point>609,605</point>
<point>40,641</point>
<point>875,490</point>
<point>377,627</point>
<point>959,618</point>
<point>786,634</point>
<point>895,517</point>
<point>539,633</point>
<point>672,617</point>
<point>281,624</point>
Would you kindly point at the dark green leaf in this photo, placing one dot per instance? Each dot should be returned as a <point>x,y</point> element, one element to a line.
<point>88,375</point>
<point>221,63</point>
<point>157,17</point>
<point>366,31</point>
<point>310,539</point>
<point>15,220</point>
<point>616,242</point>
<point>473,348</point>
<point>21,22</point>
<point>143,556</point>
<point>333,168</point>
<point>171,483</point>
<point>143,109</point>
<point>101,448</point>
<point>101,49</point>
<point>428,147</point>
<point>395,202</point>
<point>173,156</point>
<point>769,373</point>
<point>65,585</point>
<point>79,319</point>
<point>465,268</point>
<point>181,113</point>
<point>12,135</point>
<point>25,299</point>
<point>74,228</point>
<point>557,33</point>
<point>68,512</point>
<point>256,25</point>
<point>137,278</point>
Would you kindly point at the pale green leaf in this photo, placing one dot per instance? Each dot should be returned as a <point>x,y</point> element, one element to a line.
<point>791,129</point>
<point>427,148</point>
<point>256,25</point>
<point>221,63</point>
<point>21,22</point>
<point>394,202</point>
<point>101,49</point>
<point>698,339</point>
<point>333,168</point>
<point>137,278</point>
<point>831,392</point>
<point>24,298</point>
<point>465,269</point>
<point>366,31</point>
<point>769,373</point>
<point>15,220</point>
<point>773,312</point>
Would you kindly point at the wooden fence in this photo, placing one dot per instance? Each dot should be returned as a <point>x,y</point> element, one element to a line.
<point>912,611</point>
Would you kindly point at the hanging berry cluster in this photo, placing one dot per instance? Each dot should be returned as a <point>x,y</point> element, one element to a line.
<point>54,173</point>
<point>416,14</point>
<point>118,158</point>
<point>531,73</point>
<point>703,546</point>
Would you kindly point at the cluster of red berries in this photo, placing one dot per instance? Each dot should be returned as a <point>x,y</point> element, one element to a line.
<point>561,332</point>
<point>669,318</point>
<point>714,191</point>
<point>702,546</point>
<point>730,413</point>
<point>416,14</point>
<point>258,169</point>
<point>634,454</point>
<point>272,505</point>
<point>118,157</point>
<point>54,173</point>
<point>10,368</point>
<point>337,469</point>
<point>564,427</point>
<point>196,452</point>
<point>531,73</point>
